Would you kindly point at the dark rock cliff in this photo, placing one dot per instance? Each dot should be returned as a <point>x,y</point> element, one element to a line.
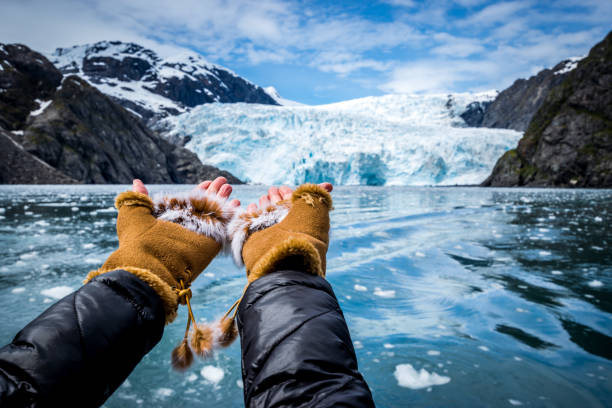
<point>569,140</point>
<point>71,127</point>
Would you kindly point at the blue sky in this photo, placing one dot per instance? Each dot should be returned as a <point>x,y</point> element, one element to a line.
<point>320,51</point>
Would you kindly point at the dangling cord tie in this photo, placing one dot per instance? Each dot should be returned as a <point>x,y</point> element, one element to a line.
<point>227,324</point>
<point>182,356</point>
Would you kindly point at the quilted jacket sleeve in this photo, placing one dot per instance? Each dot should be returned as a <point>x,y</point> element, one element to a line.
<point>83,347</point>
<point>296,347</point>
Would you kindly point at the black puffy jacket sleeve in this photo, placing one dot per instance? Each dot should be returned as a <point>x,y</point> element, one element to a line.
<point>83,347</point>
<point>296,347</point>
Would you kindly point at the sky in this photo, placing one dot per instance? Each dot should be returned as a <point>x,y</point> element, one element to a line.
<point>318,52</point>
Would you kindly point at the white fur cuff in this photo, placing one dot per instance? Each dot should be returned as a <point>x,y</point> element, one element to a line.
<point>198,211</point>
<point>244,224</point>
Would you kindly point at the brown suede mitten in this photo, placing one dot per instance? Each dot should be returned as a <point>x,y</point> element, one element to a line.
<point>289,235</point>
<point>167,242</point>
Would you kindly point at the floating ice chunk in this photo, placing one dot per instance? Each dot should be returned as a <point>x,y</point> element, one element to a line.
<point>18,290</point>
<point>557,273</point>
<point>240,384</point>
<point>384,293</point>
<point>2,210</point>
<point>433,353</point>
<point>29,255</point>
<point>357,344</point>
<point>388,346</point>
<point>483,348</point>
<point>75,208</point>
<point>518,358</point>
<point>598,219</point>
<point>209,275</point>
<point>408,377</point>
<point>212,374</point>
<point>163,392</point>
<point>595,284</point>
<point>597,248</point>
<point>515,402</point>
<point>92,261</point>
<point>192,377</point>
<point>57,292</point>
<point>349,297</point>
<point>520,310</point>
<point>88,246</point>
<point>544,253</point>
<point>108,210</point>
<point>360,288</point>
<point>419,254</point>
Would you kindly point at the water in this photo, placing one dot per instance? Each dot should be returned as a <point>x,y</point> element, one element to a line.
<point>503,297</point>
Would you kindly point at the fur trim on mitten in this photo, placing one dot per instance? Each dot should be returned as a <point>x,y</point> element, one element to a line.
<point>244,224</point>
<point>198,211</point>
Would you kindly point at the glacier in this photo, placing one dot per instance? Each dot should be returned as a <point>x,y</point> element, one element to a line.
<point>384,140</point>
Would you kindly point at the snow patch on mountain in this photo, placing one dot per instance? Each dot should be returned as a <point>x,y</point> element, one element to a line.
<point>570,65</point>
<point>152,86</point>
<point>270,90</point>
<point>386,140</point>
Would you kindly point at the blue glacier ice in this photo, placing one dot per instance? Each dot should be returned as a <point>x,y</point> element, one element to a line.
<point>386,140</point>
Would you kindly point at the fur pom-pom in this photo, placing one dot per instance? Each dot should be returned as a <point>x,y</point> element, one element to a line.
<point>202,340</point>
<point>228,332</point>
<point>182,356</point>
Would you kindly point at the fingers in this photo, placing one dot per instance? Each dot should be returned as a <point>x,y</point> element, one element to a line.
<point>225,191</point>
<point>327,186</point>
<point>139,187</point>
<point>235,203</point>
<point>204,185</point>
<point>274,195</point>
<point>252,208</point>
<point>285,192</point>
<point>264,201</point>
<point>214,187</point>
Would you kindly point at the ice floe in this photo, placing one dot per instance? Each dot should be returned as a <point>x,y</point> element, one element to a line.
<point>57,292</point>
<point>384,293</point>
<point>360,288</point>
<point>18,290</point>
<point>595,284</point>
<point>408,377</point>
<point>212,374</point>
<point>163,392</point>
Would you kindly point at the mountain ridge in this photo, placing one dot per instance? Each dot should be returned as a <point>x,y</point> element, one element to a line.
<point>152,86</point>
<point>569,140</point>
<point>76,133</point>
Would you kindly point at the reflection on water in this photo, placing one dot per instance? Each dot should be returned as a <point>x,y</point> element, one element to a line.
<point>506,292</point>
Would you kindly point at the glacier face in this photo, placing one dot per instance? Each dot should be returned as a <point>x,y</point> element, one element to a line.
<point>386,140</point>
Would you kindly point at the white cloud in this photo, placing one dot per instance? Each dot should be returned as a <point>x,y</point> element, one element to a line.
<point>423,48</point>
<point>455,46</point>
<point>495,13</point>
<point>436,76</point>
<point>345,63</point>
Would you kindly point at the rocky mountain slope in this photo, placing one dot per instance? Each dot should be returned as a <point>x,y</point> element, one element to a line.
<point>569,140</point>
<point>153,87</point>
<point>514,107</point>
<point>77,133</point>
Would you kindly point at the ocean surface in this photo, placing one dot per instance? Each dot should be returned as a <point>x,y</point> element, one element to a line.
<point>461,297</point>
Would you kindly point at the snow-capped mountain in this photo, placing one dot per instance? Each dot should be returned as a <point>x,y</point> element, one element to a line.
<point>387,140</point>
<point>270,90</point>
<point>151,86</point>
